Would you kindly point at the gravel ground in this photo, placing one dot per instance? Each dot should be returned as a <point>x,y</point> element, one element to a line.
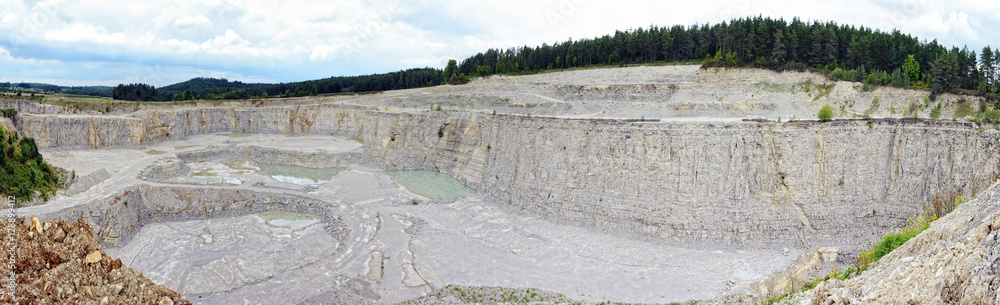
<point>62,263</point>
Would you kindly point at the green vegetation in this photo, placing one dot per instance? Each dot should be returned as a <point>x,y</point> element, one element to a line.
<point>963,109</point>
<point>23,170</point>
<point>451,75</point>
<point>842,52</point>
<point>825,114</point>
<point>938,207</point>
<point>824,90</point>
<point>915,225</point>
<point>221,89</point>
<point>936,111</point>
<point>134,92</point>
<point>77,92</point>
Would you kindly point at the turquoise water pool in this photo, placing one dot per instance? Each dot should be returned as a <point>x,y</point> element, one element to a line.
<point>432,184</point>
<point>298,174</point>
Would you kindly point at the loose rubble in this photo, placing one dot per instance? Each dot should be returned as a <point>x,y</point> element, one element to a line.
<point>62,263</point>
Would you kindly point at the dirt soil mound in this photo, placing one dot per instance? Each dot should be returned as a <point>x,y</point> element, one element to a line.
<point>62,263</point>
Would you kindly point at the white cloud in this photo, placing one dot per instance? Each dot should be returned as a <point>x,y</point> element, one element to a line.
<point>198,21</point>
<point>303,39</point>
<point>79,32</point>
<point>229,39</point>
<point>320,53</point>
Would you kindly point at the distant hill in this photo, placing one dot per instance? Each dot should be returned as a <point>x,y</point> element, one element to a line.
<point>220,88</point>
<point>205,84</point>
<point>104,91</point>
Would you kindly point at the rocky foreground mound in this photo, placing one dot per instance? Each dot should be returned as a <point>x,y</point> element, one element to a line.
<point>62,263</point>
<point>955,261</point>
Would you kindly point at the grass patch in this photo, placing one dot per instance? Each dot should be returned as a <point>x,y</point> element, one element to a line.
<point>823,90</point>
<point>80,96</point>
<point>963,109</point>
<point>939,206</point>
<point>915,225</point>
<point>359,140</point>
<point>873,108</point>
<point>912,109</point>
<point>155,152</point>
<point>772,87</point>
<point>936,111</point>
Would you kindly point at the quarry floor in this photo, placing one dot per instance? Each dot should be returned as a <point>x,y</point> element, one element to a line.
<point>398,250</point>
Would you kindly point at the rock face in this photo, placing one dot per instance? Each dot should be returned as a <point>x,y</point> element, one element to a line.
<point>83,183</point>
<point>116,220</point>
<point>732,182</point>
<point>64,264</point>
<point>736,182</point>
<point>955,261</point>
<point>742,183</point>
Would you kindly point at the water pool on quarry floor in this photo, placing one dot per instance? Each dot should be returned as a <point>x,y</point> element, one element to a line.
<point>299,174</point>
<point>432,184</point>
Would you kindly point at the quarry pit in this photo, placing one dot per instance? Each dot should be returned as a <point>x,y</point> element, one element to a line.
<point>640,184</point>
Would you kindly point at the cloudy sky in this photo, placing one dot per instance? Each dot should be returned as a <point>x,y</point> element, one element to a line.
<point>161,42</point>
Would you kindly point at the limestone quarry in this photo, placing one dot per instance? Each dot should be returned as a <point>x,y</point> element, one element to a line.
<point>640,184</point>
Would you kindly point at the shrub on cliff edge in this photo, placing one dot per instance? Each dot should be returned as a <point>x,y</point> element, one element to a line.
<point>825,113</point>
<point>22,169</point>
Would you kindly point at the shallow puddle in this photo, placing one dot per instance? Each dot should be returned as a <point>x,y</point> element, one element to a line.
<point>298,174</point>
<point>432,184</point>
<point>291,220</point>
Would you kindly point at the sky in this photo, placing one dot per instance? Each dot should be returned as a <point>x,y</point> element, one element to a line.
<point>162,42</point>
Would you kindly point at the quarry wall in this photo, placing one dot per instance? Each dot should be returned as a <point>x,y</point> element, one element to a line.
<point>733,182</point>
<point>117,219</point>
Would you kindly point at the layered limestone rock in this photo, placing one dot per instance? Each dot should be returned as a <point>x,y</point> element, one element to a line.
<point>117,219</point>
<point>83,183</point>
<point>82,131</point>
<point>729,182</point>
<point>736,182</point>
<point>955,261</point>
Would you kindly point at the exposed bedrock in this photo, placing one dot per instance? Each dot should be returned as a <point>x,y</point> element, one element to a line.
<point>730,182</point>
<point>117,219</point>
<point>736,182</point>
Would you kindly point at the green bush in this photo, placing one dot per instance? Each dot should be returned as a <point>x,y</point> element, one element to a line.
<point>936,112</point>
<point>889,242</point>
<point>22,169</point>
<point>992,116</point>
<point>825,113</point>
